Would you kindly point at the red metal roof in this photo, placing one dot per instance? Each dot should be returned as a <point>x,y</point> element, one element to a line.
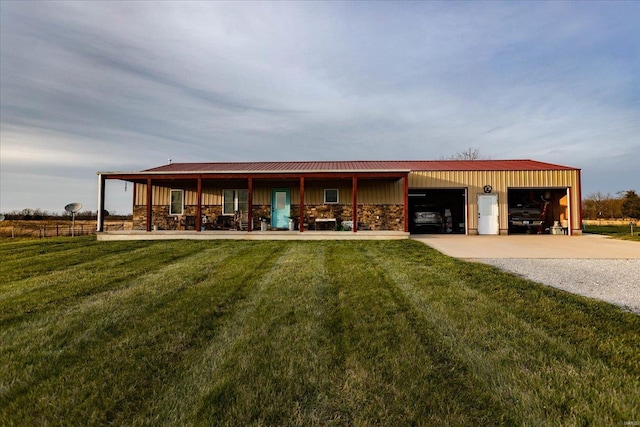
<point>360,166</point>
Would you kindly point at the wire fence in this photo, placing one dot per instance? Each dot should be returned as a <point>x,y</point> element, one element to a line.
<point>55,230</point>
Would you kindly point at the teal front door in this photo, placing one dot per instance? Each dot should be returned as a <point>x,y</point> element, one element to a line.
<point>280,207</point>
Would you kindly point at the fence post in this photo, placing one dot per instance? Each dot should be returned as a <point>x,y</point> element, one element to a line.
<point>57,231</point>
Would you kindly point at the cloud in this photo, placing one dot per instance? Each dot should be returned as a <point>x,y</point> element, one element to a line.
<point>90,86</point>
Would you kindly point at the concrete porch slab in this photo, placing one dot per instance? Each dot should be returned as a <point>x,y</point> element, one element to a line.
<point>254,235</point>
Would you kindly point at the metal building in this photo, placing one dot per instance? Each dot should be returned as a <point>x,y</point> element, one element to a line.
<point>465,197</point>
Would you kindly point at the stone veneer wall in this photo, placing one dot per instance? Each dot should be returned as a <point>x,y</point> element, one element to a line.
<point>370,217</point>
<point>160,217</point>
<point>381,217</point>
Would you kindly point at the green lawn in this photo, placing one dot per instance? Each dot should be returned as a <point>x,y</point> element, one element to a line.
<point>616,231</point>
<point>299,333</point>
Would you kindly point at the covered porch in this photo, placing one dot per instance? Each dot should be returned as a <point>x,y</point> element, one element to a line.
<point>240,205</point>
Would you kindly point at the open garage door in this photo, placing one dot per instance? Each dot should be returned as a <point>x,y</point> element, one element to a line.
<point>538,211</point>
<point>438,210</point>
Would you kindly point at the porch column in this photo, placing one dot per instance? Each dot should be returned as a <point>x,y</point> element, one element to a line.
<point>301,217</point>
<point>406,203</point>
<point>101,190</point>
<point>250,204</point>
<point>149,203</point>
<point>354,192</point>
<point>199,205</point>
<point>134,186</point>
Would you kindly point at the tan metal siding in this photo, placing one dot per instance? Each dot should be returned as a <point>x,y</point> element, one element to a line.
<point>314,191</point>
<point>369,191</point>
<point>383,192</point>
<point>501,182</point>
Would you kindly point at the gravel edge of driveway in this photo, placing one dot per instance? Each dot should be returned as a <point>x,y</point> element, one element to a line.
<point>616,281</point>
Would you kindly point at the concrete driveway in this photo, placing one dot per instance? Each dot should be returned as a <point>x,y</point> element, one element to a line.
<point>591,265</point>
<point>589,246</point>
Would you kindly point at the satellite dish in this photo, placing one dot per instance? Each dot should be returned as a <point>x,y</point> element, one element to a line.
<point>105,212</point>
<point>73,207</point>
<point>1,218</point>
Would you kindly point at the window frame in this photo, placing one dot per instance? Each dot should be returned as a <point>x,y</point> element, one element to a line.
<point>326,201</point>
<point>171,204</point>
<point>236,200</point>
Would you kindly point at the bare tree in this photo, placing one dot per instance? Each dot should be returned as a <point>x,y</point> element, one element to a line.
<point>600,205</point>
<point>470,153</point>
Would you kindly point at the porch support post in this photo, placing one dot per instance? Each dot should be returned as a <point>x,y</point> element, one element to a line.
<point>250,204</point>
<point>134,185</point>
<point>406,203</point>
<point>101,190</point>
<point>301,216</point>
<point>149,203</point>
<point>199,205</point>
<point>354,192</point>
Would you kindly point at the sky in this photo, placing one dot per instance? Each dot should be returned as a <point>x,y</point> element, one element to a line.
<point>126,86</point>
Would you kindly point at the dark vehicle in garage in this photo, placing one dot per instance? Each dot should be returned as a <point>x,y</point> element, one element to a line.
<point>428,218</point>
<point>525,217</point>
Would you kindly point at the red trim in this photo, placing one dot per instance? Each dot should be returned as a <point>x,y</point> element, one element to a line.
<point>149,203</point>
<point>191,176</point>
<point>354,191</point>
<point>301,216</point>
<point>579,195</point>
<point>135,193</point>
<point>250,204</point>
<point>199,206</point>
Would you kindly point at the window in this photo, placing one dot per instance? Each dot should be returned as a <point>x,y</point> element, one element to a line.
<point>330,195</point>
<point>235,200</point>
<point>177,202</point>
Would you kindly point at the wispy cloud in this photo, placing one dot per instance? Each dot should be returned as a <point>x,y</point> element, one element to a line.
<point>114,85</point>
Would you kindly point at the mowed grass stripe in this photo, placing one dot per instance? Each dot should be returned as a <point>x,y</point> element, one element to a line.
<point>397,369</point>
<point>532,369</point>
<point>145,331</point>
<point>50,255</point>
<point>99,273</point>
<point>16,249</point>
<point>267,364</point>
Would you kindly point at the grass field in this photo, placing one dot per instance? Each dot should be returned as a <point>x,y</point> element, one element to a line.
<point>616,231</point>
<point>299,333</point>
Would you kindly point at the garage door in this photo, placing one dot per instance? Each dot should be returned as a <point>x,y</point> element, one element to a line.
<point>438,210</point>
<point>539,210</point>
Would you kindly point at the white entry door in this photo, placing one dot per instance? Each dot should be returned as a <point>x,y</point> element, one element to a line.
<point>488,214</point>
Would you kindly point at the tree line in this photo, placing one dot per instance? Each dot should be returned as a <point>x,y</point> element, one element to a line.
<point>599,205</point>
